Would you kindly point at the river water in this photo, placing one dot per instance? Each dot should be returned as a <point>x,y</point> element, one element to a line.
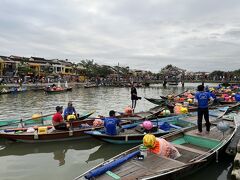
<point>66,160</point>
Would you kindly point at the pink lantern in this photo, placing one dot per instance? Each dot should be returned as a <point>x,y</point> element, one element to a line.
<point>147,125</point>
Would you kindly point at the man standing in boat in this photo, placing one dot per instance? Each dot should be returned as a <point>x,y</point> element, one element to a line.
<point>57,120</point>
<point>134,96</point>
<point>201,99</point>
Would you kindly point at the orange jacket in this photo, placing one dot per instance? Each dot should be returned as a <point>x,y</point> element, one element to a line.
<point>164,148</point>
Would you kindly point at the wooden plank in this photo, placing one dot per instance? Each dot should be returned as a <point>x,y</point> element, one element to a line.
<point>214,134</point>
<point>123,167</point>
<point>190,149</point>
<point>156,162</point>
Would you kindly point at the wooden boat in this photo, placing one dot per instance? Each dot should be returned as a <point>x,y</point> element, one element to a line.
<point>55,91</point>
<point>150,114</point>
<point>196,151</point>
<point>18,89</point>
<point>76,132</point>
<point>69,89</point>
<point>13,90</point>
<point>173,83</point>
<point>228,102</point>
<point>42,120</point>
<point>90,85</point>
<point>158,102</point>
<point>133,133</point>
<point>170,105</point>
<point>78,129</point>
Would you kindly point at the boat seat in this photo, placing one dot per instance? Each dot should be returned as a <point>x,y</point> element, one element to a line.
<point>190,149</point>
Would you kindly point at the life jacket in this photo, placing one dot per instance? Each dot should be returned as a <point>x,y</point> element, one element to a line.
<point>164,148</point>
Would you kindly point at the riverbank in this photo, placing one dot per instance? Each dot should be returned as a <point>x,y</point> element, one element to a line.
<point>43,85</point>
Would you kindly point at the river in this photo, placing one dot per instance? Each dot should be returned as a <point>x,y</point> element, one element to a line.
<point>66,160</point>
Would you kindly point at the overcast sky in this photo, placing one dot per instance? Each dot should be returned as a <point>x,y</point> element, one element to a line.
<point>197,35</point>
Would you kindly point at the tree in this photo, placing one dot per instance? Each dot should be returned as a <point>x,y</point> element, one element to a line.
<point>24,69</point>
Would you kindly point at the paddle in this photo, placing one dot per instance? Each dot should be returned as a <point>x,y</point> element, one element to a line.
<point>21,121</point>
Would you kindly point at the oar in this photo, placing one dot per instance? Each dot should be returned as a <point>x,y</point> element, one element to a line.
<point>21,121</point>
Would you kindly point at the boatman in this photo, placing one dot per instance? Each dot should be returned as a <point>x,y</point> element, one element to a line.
<point>70,110</point>
<point>134,96</point>
<point>57,120</point>
<point>112,124</point>
<point>202,99</point>
<point>160,146</point>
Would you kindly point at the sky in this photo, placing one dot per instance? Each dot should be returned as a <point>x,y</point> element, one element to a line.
<point>197,35</point>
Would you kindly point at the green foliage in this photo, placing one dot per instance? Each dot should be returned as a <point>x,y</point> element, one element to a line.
<point>94,70</point>
<point>25,69</point>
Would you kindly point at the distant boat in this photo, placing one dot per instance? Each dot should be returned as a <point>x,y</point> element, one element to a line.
<point>90,85</point>
<point>57,89</point>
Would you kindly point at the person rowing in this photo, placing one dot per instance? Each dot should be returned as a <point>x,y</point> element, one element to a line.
<point>134,96</point>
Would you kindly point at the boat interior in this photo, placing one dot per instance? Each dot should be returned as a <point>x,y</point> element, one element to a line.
<point>190,145</point>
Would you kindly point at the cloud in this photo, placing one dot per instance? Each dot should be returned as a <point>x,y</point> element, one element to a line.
<point>195,35</point>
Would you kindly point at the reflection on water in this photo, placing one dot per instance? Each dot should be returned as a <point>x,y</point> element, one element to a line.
<point>59,155</point>
<point>66,160</point>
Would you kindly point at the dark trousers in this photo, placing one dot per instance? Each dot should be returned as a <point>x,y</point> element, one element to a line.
<point>134,103</point>
<point>203,112</point>
<point>62,126</point>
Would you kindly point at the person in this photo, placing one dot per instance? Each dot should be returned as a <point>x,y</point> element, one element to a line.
<point>134,96</point>
<point>160,146</point>
<point>237,96</point>
<point>201,99</point>
<point>111,123</point>
<point>57,120</point>
<point>69,110</point>
<point>213,95</point>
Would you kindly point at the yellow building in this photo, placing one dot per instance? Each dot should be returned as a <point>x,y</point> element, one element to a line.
<point>35,67</point>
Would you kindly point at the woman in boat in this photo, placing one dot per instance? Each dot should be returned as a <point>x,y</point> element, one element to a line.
<point>70,110</point>
<point>160,146</point>
<point>201,99</point>
<point>57,120</point>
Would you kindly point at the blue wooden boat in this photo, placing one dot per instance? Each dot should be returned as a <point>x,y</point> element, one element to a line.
<point>133,133</point>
